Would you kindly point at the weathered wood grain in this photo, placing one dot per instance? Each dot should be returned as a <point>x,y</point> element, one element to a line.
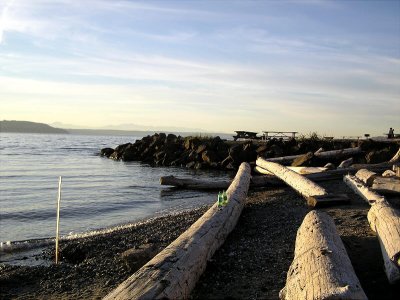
<point>385,221</point>
<point>300,183</point>
<point>173,273</point>
<point>363,191</point>
<point>386,185</point>
<point>321,268</point>
<point>366,176</point>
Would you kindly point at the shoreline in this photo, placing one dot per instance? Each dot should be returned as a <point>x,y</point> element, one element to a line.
<point>252,263</point>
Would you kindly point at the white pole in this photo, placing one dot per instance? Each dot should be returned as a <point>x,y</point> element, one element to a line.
<point>58,217</point>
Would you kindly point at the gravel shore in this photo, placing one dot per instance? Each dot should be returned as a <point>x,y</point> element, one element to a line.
<point>251,264</point>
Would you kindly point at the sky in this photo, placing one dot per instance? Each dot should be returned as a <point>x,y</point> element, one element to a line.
<point>331,67</point>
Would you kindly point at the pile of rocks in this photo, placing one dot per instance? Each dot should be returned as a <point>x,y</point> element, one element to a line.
<point>214,153</point>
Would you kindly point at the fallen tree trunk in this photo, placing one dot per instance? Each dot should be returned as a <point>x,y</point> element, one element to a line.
<point>321,268</point>
<point>298,170</point>
<point>382,185</point>
<point>325,155</point>
<point>385,221</point>
<point>363,191</point>
<point>314,194</point>
<point>284,159</point>
<point>386,185</point>
<point>396,157</point>
<point>366,176</point>
<point>346,163</point>
<point>396,169</point>
<point>301,184</point>
<point>256,181</point>
<point>195,183</point>
<point>173,273</point>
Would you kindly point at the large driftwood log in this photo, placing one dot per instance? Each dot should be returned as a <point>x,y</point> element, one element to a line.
<point>396,157</point>
<point>258,181</point>
<point>382,185</point>
<point>386,185</point>
<point>346,163</point>
<point>284,159</point>
<point>195,183</point>
<point>173,273</point>
<point>314,194</point>
<point>321,268</point>
<point>366,176</point>
<point>301,184</point>
<point>385,221</point>
<point>298,170</point>
<point>396,169</point>
<point>363,191</point>
<point>338,153</point>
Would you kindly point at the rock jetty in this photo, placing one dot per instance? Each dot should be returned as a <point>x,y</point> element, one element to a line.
<point>195,152</point>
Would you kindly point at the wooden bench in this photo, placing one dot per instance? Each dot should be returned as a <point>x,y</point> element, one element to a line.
<point>285,135</point>
<point>245,135</point>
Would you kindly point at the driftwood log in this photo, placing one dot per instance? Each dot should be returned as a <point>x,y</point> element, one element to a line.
<point>173,273</point>
<point>385,221</point>
<point>366,176</point>
<point>380,184</point>
<point>396,157</point>
<point>314,194</point>
<point>320,153</point>
<point>326,155</point>
<point>386,185</point>
<point>321,268</point>
<point>283,160</point>
<point>396,169</point>
<point>195,183</point>
<point>346,163</point>
<point>299,170</point>
<point>362,190</point>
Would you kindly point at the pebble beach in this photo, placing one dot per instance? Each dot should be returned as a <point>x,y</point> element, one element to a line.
<point>251,264</point>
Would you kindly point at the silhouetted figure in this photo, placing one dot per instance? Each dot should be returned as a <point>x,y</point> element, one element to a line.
<point>391,133</point>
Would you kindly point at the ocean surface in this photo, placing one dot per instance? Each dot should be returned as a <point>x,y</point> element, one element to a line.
<point>97,192</point>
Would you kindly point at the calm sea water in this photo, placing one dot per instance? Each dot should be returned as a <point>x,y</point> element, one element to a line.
<point>96,192</point>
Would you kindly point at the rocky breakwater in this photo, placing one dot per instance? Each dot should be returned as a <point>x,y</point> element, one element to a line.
<point>163,149</point>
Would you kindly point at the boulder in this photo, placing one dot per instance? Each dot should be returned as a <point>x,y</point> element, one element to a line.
<point>210,157</point>
<point>74,253</point>
<point>201,148</point>
<point>106,152</point>
<point>135,258</point>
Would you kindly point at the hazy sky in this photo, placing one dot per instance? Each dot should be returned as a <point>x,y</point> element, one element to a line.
<point>326,66</point>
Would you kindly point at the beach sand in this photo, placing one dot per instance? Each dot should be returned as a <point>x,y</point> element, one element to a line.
<point>251,264</point>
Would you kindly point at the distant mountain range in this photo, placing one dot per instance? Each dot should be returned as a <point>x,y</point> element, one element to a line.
<point>130,127</point>
<point>33,127</point>
<point>29,127</point>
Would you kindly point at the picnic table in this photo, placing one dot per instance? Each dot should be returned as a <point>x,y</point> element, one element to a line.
<point>285,135</point>
<point>245,135</point>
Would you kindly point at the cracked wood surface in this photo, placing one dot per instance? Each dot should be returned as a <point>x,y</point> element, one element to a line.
<point>173,273</point>
<point>385,221</point>
<point>301,184</point>
<point>321,268</point>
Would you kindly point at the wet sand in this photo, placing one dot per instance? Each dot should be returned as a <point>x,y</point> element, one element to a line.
<point>251,264</point>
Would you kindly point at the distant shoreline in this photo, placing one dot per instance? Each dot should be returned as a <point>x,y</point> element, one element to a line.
<point>42,128</point>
